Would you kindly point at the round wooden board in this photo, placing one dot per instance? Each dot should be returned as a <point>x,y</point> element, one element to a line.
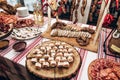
<point>54,73</point>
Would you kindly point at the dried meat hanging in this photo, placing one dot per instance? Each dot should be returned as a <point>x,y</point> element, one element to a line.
<point>93,9</point>
<point>75,5</point>
<point>72,9</point>
<point>76,12</point>
<point>84,3</point>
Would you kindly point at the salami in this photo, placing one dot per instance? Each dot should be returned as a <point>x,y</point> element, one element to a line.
<point>24,23</point>
<point>104,69</point>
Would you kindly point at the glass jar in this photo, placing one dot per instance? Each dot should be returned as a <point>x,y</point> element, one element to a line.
<point>38,13</point>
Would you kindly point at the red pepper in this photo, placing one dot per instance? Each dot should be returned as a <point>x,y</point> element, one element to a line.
<point>108,19</point>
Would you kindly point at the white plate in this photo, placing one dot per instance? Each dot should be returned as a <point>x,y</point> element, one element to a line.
<point>26,33</point>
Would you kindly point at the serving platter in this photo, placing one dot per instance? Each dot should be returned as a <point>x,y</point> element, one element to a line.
<point>6,33</point>
<point>26,33</point>
<point>50,51</point>
<point>6,24</point>
<point>103,69</point>
<point>72,40</point>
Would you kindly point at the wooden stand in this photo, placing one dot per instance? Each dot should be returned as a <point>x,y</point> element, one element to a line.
<point>101,19</point>
<point>49,14</point>
<point>54,73</point>
<point>93,45</point>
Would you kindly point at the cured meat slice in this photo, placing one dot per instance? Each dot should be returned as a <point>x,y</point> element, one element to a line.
<point>24,23</point>
<point>7,19</point>
<point>104,69</point>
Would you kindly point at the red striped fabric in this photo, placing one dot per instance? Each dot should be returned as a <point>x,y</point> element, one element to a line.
<point>18,57</point>
<point>83,63</point>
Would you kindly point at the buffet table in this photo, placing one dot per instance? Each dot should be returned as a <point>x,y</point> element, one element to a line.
<point>86,56</point>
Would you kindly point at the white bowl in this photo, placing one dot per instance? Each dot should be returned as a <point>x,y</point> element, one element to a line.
<point>22,11</point>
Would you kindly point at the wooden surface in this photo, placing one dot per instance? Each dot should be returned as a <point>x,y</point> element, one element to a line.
<point>54,73</point>
<point>101,12</point>
<point>99,26</point>
<point>116,43</point>
<point>72,41</point>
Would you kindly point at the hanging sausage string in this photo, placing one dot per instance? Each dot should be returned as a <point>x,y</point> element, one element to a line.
<point>74,8</point>
<point>93,8</point>
<point>75,5</point>
<point>84,3</point>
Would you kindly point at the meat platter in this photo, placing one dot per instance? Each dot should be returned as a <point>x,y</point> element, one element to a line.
<point>104,69</point>
<point>6,24</point>
<point>25,33</point>
<point>5,30</point>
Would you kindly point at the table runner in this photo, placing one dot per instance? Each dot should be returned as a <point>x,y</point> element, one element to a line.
<point>86,56</point>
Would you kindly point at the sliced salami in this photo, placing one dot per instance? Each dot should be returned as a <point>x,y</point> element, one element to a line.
<point>104,69</point>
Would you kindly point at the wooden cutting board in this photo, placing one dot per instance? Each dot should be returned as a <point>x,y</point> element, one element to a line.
<point>56,72</point>
<point>72,41</point>
<point>114,43</point>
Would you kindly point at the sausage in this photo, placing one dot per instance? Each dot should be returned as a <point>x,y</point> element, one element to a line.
<point>93,8</point>
<point>90,17</point>
<point>91,31</point>
<point>82,11</point>
<point>23,23</point>
<point>84,3</point>
<point>82,42</point>
<point>58,25</point>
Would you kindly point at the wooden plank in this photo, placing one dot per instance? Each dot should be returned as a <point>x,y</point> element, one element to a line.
<point>72,41</point>
<point>101,12</point>
<point>49,15</point>
<point>99,27</point>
